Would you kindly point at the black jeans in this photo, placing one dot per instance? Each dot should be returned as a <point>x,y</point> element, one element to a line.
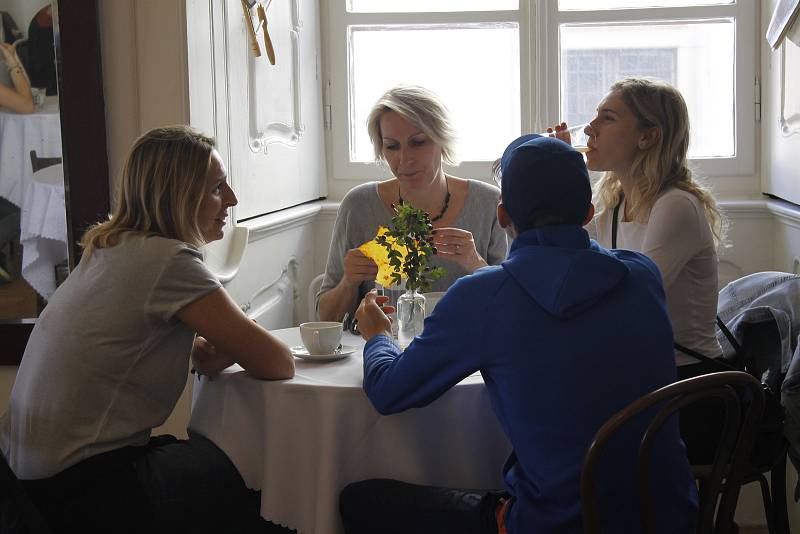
<point>394,507</point>
<point>169,486</point>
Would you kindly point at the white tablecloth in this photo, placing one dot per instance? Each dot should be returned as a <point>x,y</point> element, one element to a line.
<point>43,229</point>
<point>301,441</point>
<point>43,222</point>
<point>21,133</point>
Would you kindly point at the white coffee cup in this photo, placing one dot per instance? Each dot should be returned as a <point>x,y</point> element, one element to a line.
<point>321,337</point>
<point>39,94</point>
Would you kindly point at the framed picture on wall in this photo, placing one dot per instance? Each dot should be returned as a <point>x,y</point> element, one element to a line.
<point>784,16</point>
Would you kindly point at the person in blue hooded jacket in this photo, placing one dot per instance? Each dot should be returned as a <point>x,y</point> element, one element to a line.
<point>565,334</point>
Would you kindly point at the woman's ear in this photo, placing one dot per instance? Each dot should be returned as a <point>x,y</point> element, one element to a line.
<point>649,137</point>
<point>502,216</point>
<point>589,215</point>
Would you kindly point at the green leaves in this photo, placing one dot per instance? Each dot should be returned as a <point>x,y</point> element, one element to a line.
<point>412,228</point>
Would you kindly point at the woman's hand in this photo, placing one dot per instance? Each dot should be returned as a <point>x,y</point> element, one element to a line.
<point>457,245</point>
<point>229,336</point>
<point>207,360</point>
<point>371,316</point>
<point>9,56</point>
<point>561,131</point>
<point>358,268</point>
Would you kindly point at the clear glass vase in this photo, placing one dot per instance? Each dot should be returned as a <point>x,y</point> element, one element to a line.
<point>410,316</point>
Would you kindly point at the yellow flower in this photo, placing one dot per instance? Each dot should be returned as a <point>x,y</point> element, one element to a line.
<point>380,256</point>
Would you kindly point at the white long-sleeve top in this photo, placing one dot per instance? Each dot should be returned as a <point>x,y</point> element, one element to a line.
<point>678,238</point>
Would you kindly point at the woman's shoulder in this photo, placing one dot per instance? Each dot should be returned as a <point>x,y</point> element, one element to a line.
<point>482,192</point>
<point>366,191</point>
<point>360,196</point>
<point>153,246</point>
<point>678,200</point>
<point>482,188</point>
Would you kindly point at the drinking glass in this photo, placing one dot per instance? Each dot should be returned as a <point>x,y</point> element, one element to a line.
<point>577,138</point>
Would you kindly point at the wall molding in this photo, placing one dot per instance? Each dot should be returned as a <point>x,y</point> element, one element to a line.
<point>326,210</point>
<point>785,212</point>
<point>745,209</point>
<point>283,220</point>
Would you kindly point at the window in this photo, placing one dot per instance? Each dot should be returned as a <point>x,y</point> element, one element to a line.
<point>587,73</point>
<point>372,47</point>
<point>504,67</point>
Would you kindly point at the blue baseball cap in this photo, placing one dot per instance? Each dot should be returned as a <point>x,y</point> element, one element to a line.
<point>544,176</point>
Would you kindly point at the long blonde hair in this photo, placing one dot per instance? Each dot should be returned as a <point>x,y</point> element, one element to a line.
<point>163,184</point>
<point>663,165</point>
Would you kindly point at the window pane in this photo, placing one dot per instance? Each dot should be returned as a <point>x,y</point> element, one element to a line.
<point>476,75</point>
<point>697,58</point>
<point>594,5</point>
<point>428,6</point>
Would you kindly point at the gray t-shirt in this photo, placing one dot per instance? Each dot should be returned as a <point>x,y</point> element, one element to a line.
<point>107,359</point>
<point>362,211</point>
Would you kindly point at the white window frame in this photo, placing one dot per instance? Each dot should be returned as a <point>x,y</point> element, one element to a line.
<point>539,22</point>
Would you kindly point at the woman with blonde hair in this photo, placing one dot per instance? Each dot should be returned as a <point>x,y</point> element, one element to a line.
<point>649,201</point>
<point>18,97</point>
<point>410,130</point>
<point>109,356</point>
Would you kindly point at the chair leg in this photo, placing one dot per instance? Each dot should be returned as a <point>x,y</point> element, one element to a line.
<point>779,505</point>
<point>769,509</point>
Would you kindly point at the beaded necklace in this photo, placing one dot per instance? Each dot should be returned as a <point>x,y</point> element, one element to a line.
<point>446,200</point>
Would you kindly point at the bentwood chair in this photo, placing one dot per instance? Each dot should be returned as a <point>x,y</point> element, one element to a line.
<point>39,163</point>
<point>743,401</point>
<point>9,239</point>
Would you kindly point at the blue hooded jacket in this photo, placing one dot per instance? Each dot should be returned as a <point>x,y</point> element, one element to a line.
<point>565,334</point>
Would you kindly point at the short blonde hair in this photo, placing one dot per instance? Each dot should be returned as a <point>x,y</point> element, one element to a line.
<point>163,184</point>
<point>422,108</point>
<point>664,164</point>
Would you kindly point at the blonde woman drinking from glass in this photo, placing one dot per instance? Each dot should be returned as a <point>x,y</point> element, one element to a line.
<point>650,202</point>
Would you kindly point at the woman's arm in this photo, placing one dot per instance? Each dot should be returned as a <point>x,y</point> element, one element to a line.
<point>676,231</point>
<point>218,319</point>
<point>19,97</point>
<point>347,267</point>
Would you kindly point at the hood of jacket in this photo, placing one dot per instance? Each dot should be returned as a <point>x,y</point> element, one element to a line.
<point>562,269</point>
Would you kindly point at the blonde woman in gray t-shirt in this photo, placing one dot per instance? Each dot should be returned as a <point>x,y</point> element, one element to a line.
<point>108,359</point>
<point>411,132</point>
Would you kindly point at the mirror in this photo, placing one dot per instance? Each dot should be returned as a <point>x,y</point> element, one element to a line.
<point>83,142</point>
<point>33,224</point>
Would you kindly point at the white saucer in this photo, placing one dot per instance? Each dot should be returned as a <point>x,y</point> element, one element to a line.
<point>345,351</point>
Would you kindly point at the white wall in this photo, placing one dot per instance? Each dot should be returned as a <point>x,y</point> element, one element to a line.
<point>144,71</point>
<point>780,172</point>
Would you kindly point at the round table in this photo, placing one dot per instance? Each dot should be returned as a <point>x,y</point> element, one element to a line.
<point>19,134</point>
<point>300,441</point>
